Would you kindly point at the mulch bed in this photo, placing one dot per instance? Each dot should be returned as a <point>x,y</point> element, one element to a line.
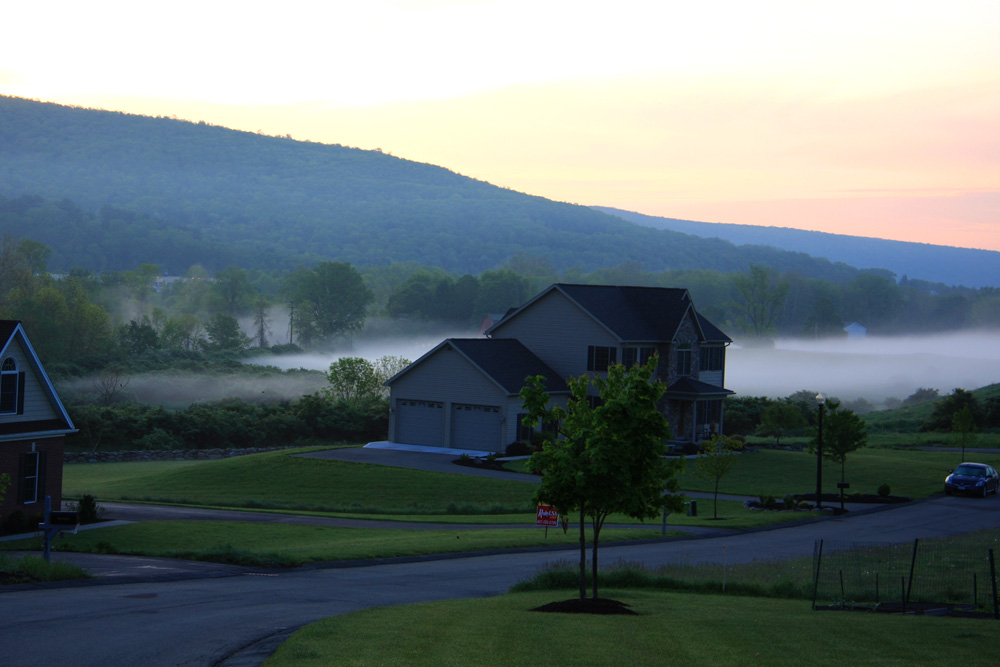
<point>481,463</point>
<point>602,606</point>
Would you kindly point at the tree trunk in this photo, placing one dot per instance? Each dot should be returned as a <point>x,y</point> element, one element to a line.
<point>715,505</point>
<point>593,560</point>
<point>583,554</point>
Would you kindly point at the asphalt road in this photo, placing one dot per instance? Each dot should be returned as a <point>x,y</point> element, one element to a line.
<point>235,616</point>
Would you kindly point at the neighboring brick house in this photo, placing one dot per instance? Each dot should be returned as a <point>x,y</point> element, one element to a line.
<point>469,400</point>
<point>33,423</point>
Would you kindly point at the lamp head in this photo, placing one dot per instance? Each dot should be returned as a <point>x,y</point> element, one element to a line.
<point>820,399</point>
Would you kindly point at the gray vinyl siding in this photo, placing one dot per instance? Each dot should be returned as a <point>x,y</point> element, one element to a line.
<point>448,377</point>
<point>37,405</point>
<point>559,332</point>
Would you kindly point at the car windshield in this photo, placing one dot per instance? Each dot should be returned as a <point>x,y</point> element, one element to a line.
<point>970,471</point>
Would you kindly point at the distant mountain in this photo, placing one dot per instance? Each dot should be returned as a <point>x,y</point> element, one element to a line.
<point>934,263</point>
<point>107,189</point>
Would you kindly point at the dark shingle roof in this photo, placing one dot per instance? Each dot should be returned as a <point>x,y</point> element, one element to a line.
<point>687,386</point>
<point>713,334</point>
<point>508,362</point>
<point>633,313</point>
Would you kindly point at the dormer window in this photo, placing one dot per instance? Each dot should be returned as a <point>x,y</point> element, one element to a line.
<point>8,386</point>
<point>684,359</point>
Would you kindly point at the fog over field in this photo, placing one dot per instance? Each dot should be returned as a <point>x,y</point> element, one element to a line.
<point>873,368</point>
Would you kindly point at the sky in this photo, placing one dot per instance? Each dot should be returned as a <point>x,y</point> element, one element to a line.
<point>871,118</point>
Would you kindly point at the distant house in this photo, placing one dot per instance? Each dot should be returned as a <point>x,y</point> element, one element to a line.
<point>855,330</point>
<point>464,393</point>
<point>33,423</point>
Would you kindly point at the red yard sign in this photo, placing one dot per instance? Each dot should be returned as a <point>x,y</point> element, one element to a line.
<point>547,516</point>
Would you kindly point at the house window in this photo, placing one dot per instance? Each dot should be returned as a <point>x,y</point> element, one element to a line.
<point>637,355</point>
<point>712,358</point>
<point>30,477</point>
<point>523,432</point>
<point>684,359</point>
<point>8,386</point>
<point>600,357</point>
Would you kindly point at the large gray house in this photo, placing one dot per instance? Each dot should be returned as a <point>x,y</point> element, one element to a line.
<point>463,394</point>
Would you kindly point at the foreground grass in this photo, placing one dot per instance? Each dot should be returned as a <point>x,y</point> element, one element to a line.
<point>671,628</point>
<point>33,569</point>
<point>279,545</point>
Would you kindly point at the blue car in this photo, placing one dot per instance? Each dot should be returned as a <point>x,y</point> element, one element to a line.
<point>974,479</point>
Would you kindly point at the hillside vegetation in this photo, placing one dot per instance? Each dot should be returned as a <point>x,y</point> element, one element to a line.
<point>122,186</point>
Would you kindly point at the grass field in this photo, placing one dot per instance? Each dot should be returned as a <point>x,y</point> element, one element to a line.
<point>278,545</point>
<point>670,628</point>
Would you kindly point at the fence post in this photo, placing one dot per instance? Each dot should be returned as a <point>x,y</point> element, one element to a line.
<point>993,579</point>
<point>817,559</point>
<point>913,565</point>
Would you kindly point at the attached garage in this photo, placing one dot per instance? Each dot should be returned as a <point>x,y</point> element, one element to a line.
<point>475,427</point>
<point>420,422</point>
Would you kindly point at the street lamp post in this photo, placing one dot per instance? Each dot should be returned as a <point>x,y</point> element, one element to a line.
<point>820,401</point>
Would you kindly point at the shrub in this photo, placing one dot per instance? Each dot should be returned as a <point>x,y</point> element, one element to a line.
<point>518,449</point>
<point>16,522</point>
<point>790,502</point>
<point>87,510</point>
<point>884,491</point>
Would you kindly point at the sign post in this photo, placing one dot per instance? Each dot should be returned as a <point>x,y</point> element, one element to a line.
<point>55,523</point>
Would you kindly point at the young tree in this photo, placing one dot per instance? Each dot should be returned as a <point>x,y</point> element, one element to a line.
<point>718,455</point>
<point>780,417</point>
<point>261,322</point>
<point>843,432</point>
<point>355,379</point>
<point>611,455</point>
<point>964,428</point>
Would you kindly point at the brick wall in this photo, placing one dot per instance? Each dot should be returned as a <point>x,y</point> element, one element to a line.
<point>10,463</point>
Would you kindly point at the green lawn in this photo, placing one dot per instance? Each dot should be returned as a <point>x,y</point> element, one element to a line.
<point>671,628</point>
<point>278,545</point>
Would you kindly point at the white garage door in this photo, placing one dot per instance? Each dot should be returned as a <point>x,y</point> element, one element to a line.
<point>420,423</point>
<point>475,427</point>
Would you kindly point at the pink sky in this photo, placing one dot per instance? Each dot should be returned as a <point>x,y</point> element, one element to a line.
<point>873,118</point>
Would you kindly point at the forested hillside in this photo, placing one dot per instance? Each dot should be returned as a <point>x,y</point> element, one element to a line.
<point>106,188</point>
<point>934,263</point>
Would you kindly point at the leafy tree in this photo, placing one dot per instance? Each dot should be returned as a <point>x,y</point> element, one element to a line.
<point>225,335</point>
<point>611,455</point>
<point>964,428</point>
<point>760,293</point>
<point>499,291</point>
<point>137,337</point>
<point>354,379</point>
<point>232,287</point>
<point>823,321</point>
<point>743,413</point>
<point>716,460</point>
<point>921,395</point>
<point>332,298</point>
<point>843,432</point>
<point>942,418</point>
<point>780,417</point>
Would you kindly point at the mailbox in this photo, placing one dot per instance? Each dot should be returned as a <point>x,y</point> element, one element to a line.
<point>63,519</point>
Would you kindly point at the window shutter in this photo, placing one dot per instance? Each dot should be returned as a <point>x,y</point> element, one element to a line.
<point>40,492</point>
<point>22,488</point>
<point>20,393</point>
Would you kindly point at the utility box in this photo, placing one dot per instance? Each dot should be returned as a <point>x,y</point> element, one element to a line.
<point>693,508</point>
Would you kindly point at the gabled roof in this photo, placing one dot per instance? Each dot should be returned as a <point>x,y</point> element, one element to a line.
<point>633,314</point>
<point>11,330</point>
<point>505,361</point>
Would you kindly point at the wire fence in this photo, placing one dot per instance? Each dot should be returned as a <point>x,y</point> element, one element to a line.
<point>919,577</point>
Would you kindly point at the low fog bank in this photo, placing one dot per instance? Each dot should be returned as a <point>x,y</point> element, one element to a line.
<point>874,368</point>
<point>180,390</point>
<point>412,348</point>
